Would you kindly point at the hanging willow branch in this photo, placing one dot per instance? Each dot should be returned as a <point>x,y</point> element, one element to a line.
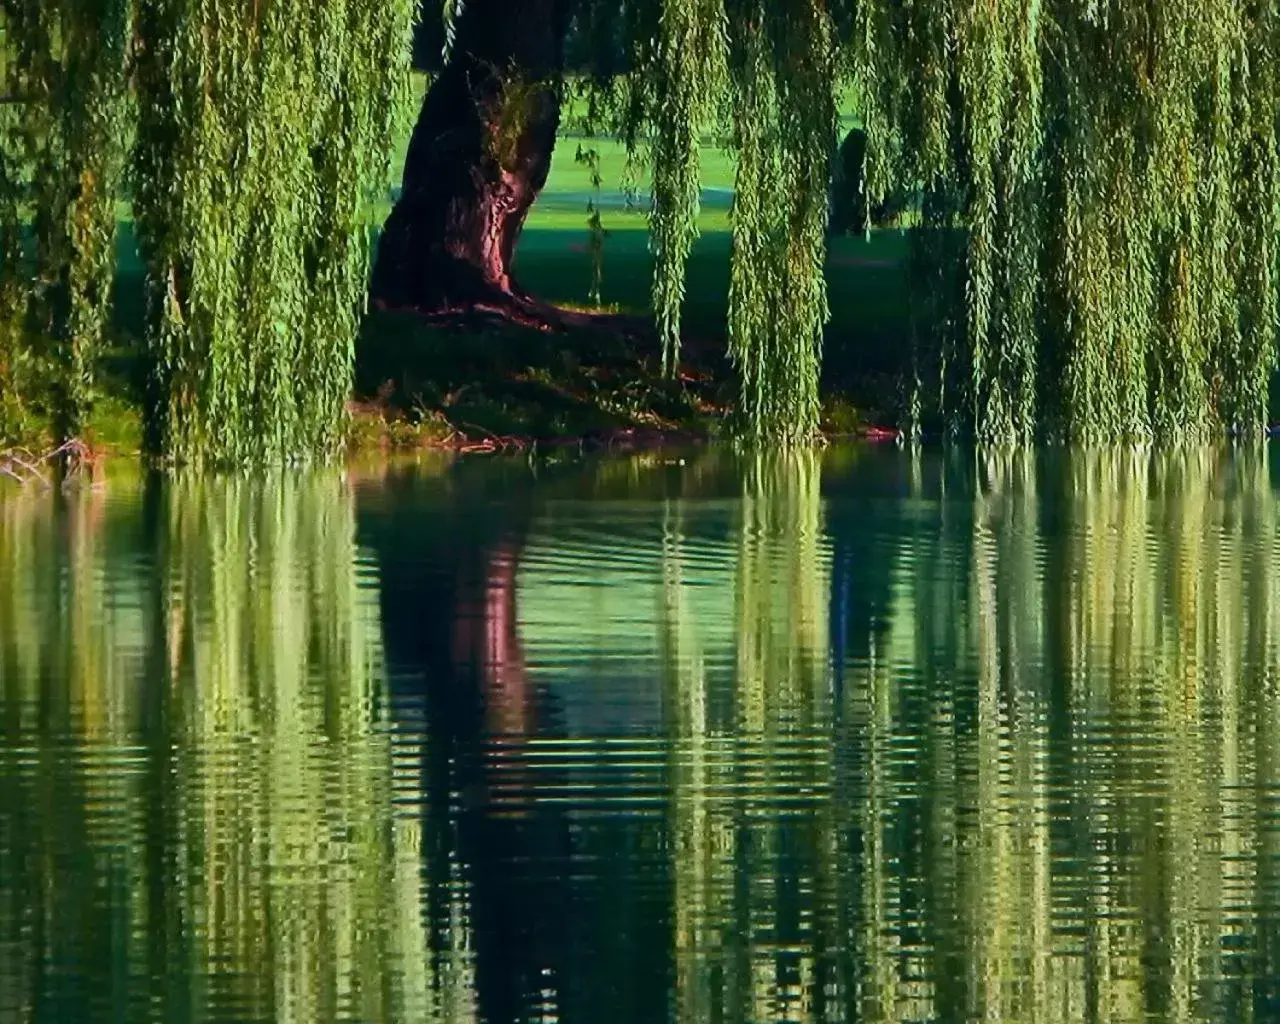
<point>263,131</point>
<point>768,69</point>
<point>13,294</point>
<point>1100,216</point>
<point>63,137</point>
<point>689,68</point>
<point>1111,168</point>
<point>785,120</point>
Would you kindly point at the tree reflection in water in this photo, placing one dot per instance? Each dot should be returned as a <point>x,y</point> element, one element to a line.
<point>449,547</point>
<point>198,817</point>
<point>511,754</point>
<point>1025,801</point>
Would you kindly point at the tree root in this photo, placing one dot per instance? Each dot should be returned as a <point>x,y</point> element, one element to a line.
<point>507,309</point>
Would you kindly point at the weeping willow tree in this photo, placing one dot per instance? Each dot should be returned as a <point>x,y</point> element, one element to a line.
<point>1103,192</point>
<point>1101,198</point>
<point>1100,182</point>
<point>63,138</point>
<point>760,76</point>
<point>1101,188</point>
<point>262,132</point>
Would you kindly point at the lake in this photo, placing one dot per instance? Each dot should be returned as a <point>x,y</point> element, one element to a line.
<point>860,735</point>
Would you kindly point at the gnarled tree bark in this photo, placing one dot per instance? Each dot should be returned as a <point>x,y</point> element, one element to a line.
<point>478,158</point>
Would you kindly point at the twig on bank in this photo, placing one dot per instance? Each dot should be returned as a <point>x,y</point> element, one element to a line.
<point>24,466</point>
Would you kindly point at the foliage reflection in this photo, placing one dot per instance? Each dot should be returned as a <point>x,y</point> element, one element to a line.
<point>198,811</point>
<point>763,739</point>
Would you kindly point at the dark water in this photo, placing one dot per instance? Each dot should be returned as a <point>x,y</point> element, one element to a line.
<point>860,737</point>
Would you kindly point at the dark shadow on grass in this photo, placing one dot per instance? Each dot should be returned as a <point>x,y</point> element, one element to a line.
<point>503,380</point>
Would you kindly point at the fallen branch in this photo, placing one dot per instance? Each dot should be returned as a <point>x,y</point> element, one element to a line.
<point>24,466</point>
<point>491,443</point>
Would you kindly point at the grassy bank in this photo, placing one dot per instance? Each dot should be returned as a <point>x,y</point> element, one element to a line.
<point>548,386</point>
<point>422,384</point>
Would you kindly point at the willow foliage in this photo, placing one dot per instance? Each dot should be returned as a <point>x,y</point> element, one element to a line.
<point>1101,199</point>
<point>784,122</point>
<point>1111,171</point>
<point>1100,183</point>
<point>690,63</point>
<point>63,136</point>
<point>262,130</point>
<point>763,75</point>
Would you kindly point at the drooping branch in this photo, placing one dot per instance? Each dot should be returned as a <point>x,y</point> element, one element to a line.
<point>63,105</point>
<point>1107,176</point>
<point>251,172</point>
<point>785,124</point>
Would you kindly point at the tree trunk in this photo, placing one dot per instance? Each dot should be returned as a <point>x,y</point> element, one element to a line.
<point>478,158</point>
<point>849,215</point>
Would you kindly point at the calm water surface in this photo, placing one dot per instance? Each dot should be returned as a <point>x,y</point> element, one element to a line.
<point>866,736</point>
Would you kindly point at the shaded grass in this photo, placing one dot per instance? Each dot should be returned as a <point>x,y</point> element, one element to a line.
<point>503,382</point>
<point>505,379</point>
